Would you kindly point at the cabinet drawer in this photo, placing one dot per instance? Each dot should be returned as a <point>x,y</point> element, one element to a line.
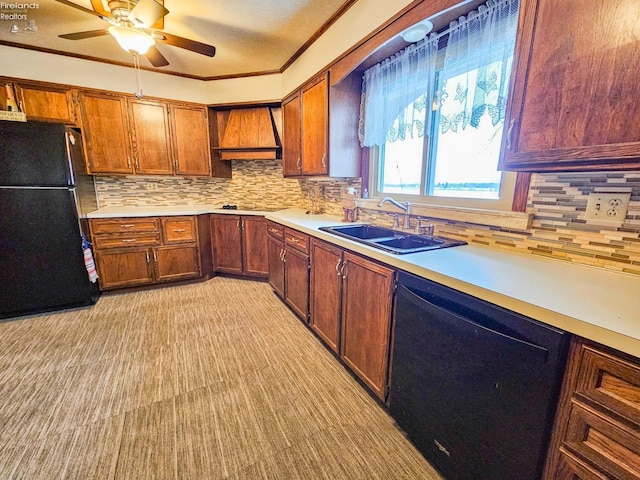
<point>124,225</point>
<point>178,230</point>
<point>612,446</point>
<point>126,240</point>
<point>297,240</point>
<point>275,230</point>
<point>611,382</point>
<point>571,468</point>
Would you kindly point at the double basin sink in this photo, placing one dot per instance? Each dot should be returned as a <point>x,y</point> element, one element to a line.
<point>393,241</point>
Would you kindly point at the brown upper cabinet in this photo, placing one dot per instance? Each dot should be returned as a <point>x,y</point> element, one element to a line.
<point>149,122</point>
<point>126,135</point>
<point>106,133</point>
<point>306,130</point>
<point>573,103</point>
<point>190,140</point>
<point>47,103</point>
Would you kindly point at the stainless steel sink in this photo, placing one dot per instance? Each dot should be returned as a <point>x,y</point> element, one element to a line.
<point>394,241</point>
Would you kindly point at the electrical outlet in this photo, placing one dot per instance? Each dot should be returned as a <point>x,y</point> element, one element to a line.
<point>610,207</point>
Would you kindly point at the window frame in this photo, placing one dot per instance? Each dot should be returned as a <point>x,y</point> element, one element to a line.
<point>514,186</point>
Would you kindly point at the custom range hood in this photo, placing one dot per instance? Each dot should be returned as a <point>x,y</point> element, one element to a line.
<point>249,133</point>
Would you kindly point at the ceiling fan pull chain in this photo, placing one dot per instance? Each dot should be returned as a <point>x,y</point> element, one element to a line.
<point>136,66</point>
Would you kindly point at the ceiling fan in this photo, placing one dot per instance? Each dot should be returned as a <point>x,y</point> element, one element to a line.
<point>136,25</point>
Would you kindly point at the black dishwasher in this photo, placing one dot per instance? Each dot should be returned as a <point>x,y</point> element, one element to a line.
<point>474,386</point>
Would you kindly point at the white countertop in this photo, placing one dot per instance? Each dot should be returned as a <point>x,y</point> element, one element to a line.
<point>594,303</point>
<point>159,211</point>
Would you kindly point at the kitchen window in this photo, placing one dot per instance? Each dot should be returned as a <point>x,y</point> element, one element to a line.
<point>434,114</point>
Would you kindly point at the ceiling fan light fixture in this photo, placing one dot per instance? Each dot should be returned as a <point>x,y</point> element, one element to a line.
<point>131,39</point>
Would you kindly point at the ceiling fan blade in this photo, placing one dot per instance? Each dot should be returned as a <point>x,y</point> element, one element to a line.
<point>83,35</point>
<point>181,42</point>
<point>104,17</point>
<point>155,57</point>
<point>98,6</point>
<point>147,12</point>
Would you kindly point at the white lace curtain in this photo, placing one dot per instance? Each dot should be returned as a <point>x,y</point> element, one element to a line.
<point>477,66</point>
<point>398,93</point>
<point>407,79</point>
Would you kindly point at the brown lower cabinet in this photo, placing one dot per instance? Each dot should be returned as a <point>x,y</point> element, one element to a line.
<point>325,292</point>
<point>133,252</point>
<point>597,429</point>
<point>351,306</point>
<point>276,265</point>
<point>239,244</point>
<point>367,293</point>
<point>289,267</point>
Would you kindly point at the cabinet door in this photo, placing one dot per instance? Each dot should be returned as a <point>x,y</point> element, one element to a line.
<point>150,137</point>
<point>124,268</point>
<point>275,249</point>
<point>315,115</point>
<point>176,262</point>
<point>366,320</point>
<point>254,246</point>
<point>190,140</point>
<point>44,103</point>
<point>574,103</point>
<point>106,133</point>
<point>296,282</point>
<point>291,160</point>
<point>226,240</point>
<point>325,285</point>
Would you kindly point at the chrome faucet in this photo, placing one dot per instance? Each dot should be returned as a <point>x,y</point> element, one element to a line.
<point>406,206</point>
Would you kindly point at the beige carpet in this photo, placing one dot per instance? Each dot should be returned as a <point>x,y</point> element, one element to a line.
<point>204,381</point>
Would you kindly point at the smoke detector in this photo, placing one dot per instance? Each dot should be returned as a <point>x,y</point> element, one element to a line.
<point>417,32</point>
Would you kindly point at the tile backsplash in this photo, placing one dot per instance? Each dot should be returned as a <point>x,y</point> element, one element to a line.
<point>255,185</point>
<point>557,201</point>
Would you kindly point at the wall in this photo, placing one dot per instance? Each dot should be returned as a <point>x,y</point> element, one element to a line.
<point>362,18</point>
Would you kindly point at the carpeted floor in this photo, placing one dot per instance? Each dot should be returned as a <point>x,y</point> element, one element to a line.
<point>204,381</point>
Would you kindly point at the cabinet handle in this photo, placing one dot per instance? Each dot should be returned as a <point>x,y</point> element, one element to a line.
<point>179,230</point>
<point>238,224</point>
<point>338,267</point>
<point>127,225</point>
<point>274,231</point>
<point>155,257</point>
<point>128,161</point>
<point>324,163</point>
<point>294,240</point>
<point>299,163</point>
<point>137,164</point>
<point>242,224</point>
<point>510,133</point>
<point>342,272</point>
<point>284,256</point>
<point>147,254</point>
<point>129,240</point>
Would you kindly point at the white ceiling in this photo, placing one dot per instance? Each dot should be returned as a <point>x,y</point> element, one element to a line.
<point>250,36</point>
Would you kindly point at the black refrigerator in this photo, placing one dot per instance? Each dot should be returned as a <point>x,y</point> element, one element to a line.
<point>45,194</point>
